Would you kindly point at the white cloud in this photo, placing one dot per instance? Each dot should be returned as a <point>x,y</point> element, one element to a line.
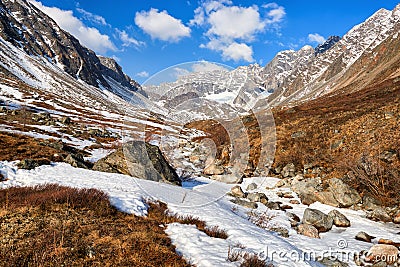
<point>235,22</point>
<point>231,29</point>
<point>127,40</point>
<point>236,52</point>
<point>316,38</point>
<point>88,36</point>
<point>231,51</point>
<point>276,14</point>
<point>143,74</point>
<point>205,66</point>
<point>161,25</point>
<point>93,17</point>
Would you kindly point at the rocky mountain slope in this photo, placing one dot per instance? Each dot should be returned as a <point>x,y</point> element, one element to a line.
<point>293,77</point>
<point>26,27</point>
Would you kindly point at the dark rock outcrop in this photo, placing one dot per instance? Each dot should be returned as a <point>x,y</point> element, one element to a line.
<point>140,160</point>
<point>328,44</point>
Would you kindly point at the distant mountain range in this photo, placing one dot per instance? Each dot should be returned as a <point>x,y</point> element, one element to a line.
<point>38,53</point>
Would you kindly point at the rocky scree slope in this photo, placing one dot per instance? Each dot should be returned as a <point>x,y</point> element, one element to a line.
<point>26,27</point>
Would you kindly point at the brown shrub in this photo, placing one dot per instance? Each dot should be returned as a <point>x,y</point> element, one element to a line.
<point>52,225</point>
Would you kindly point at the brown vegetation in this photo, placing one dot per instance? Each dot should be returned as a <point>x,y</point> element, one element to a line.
<point>52,225</point>
<point>332,130</point>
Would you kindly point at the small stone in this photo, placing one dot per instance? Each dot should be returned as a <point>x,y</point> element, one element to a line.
<point>318,219</point>
<point>294,202</point>
<point>286,207</point>
<point>237,191</point>
<point>308,230</point>
<point>293,218</point>
<point>288,195</point>
<point>273,205</point>
<point>280,230</point>
<point>339,219</point>
<point>2,177</point>
<point>251,186</point>
<point>363,236</point>
<point>245,203</point>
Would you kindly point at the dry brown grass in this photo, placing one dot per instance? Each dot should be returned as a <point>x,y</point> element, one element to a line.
<point>160,210</point>
<point>52,225</point>
<point>328,131</point>
<point>18,147</point>
<point>58,226</point>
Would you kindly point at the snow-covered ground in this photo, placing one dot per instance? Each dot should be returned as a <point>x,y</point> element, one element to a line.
<point>205,199</point>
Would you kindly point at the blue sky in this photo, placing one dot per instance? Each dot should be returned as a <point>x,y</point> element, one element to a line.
<point>146,36</point>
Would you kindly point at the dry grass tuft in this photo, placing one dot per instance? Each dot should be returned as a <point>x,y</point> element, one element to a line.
<point>52,225</point>
<point>160,210</point>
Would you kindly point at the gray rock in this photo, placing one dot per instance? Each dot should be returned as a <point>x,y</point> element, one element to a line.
<point>363,236</point>
<point>330,262</point>
<point>293,218</point>
<point>140,160</point>
<point>256,197</point>
<point>76,160</point>
<point>245,203</point>
<point>308,186</point>
<point>237,191</point>
<point>379,214</point>
<point>29,164</point>
<point>280,230</point>
<point>251,186</point>
<point>370,203</point>
<point>343,193</point>
<point>318,219</point>
<point>289,170</point>
<point>339,219</point>
<point>273,205</point>
<point>283,183</point>
<point>308,230</point>
<point>227,178</point>
<point>326,197</point>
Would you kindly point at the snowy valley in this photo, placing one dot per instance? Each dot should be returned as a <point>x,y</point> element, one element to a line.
<point>295,163</point>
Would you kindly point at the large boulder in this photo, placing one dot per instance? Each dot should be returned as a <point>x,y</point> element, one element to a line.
<point>343,193</point>
<point>318,219</point>
<point>140,160</point>
<point>379,214</point>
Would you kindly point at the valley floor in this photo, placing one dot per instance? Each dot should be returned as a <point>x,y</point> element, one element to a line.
<point>208,201</point>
